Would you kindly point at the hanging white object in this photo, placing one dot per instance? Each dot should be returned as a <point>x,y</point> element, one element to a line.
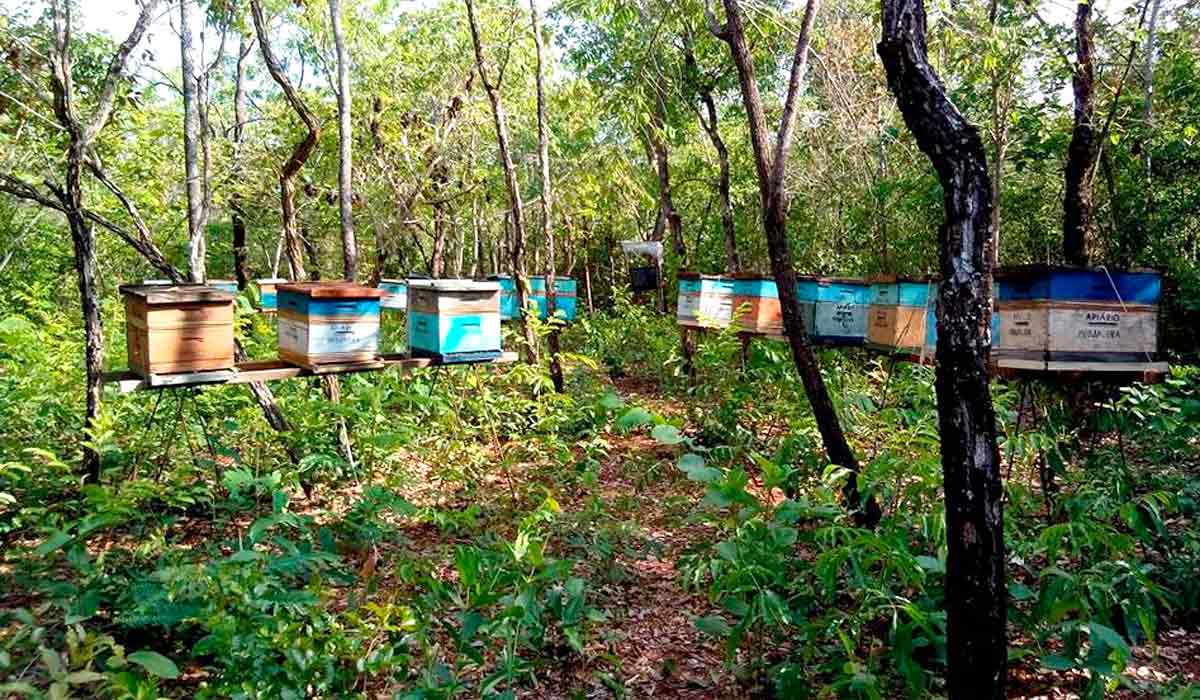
<point>653,249</point>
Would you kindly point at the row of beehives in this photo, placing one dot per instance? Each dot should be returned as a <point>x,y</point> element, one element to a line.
<point>174,329</point>
<point>1042,313</point>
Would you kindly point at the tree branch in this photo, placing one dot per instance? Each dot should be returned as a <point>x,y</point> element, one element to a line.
<point>116,67</point>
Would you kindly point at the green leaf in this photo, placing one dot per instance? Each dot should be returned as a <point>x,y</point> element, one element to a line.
<point>693,465</point>
<point>932,564</point>
<point>713,625</point>
<point>667,434</point>
<point>53,542</point>
<point>82,677</point>
<point>634,418</point>
<point>1058,663</point>
<point>611,402</point>
<point>155,663</point>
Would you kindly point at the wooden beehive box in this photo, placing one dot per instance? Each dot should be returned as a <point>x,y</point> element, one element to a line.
<point>1077,314</point>
<point>756,300</point>
<point>899,313</point>
<point>454,321</point>
<point>230,286</point>
<point>395,294</point>
<point>834,309</point>
<point>171,329</point>
<point>328,323</point>
<point>705,301</point>
<point>268,290</point>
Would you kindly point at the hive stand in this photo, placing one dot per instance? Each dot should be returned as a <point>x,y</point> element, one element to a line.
<point>271,370</point>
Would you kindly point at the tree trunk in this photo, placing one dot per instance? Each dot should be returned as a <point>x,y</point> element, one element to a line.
<point>345,146</point>
<point>191,141</point>
<point>477,242</point>
<point>241,254</point>
<point>300,153</point>
<point>668,216</point>
<point>975,582</point>
<point>556,369</point>
<point>1151,49</point>
<point>770,168</point>
<point>1078,234</point>
<point>439,185</point>
<point>733,264</point>
<point>516,207</point>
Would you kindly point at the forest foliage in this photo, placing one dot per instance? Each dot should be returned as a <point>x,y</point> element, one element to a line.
<point>492,536</point>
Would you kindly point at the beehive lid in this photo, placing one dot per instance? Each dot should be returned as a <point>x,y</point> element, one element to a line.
<point>271,280</point>
<point>155,294</point>
<point>387,280</point>
<point>454,285</point>
<point>893,279</point>
<point>689,275</point>
<point>331,290</point>
<point>838,280</point>
<point>754,276</point>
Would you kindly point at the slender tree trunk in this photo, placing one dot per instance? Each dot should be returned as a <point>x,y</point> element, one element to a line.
<point>439,185</point>
<point>668,216</point>
<point>556,369</point>
<point>345,147</point>
<point>733,264</point>
<point>477,242</point>
<point>975,582</point>
<point>516,207</point>
<point>770,166</point>
<point>241,254</point>
<point>1078,224</point>
<point>1151,49</point>
<point>191,141</point>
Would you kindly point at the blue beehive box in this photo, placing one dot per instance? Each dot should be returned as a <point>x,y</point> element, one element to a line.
<point>508,296</point>
<point>324,323</point>
<point>230,286</point>
<point>268,296</point>
<point>705,301</point>
<point>1077,314</point>
<point>395,294</point>
<point>834,309</point>
<point>453,321</point>
<point>565,306</point>
<point>898,317</point>
<point>1040,282</point>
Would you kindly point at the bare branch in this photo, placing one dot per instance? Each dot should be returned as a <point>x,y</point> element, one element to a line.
<point>116,67</point>
<point>795,84</point>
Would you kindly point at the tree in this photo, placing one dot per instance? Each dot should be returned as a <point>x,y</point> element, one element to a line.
<point>516,206</point>
<point>241,259</point>
<point>194,185</point>
<point>975,585</point>
<point>345,145</point>
<point>1078,233</point>
<point>556,370</point>
<point>770,167</point>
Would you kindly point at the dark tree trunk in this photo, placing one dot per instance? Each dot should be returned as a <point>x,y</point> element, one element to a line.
<point>439,185</point>
<point>668,216</point>
<point>770,166</point>
<point>975,583</point>
<point>1078,224</point>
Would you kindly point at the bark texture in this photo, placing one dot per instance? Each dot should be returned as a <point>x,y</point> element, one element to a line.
<point>1078,224</point>
<point>241,254</point>
<point>345,147</point>
<point>197,247</point>
<point>975,581</point>
<point>770,166</point>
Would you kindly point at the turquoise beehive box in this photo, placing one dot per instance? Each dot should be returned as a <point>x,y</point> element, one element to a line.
<point>325,323</point>
<point>834,309</point>
<point>453,321</point>
<point>395,294</point>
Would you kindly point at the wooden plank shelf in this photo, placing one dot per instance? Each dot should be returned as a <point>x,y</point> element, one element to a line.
<point>1143,371</point>
<point>273,370</point>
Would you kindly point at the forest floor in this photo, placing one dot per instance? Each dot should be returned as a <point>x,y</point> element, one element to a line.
<point>649,646</point>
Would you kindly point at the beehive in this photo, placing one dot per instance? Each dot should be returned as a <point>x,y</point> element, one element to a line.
<point>834,309</point>
<point>268,299</point>
<point>899,313</point>
<point>395,294</point>
<point>508,296</point>
<point>565,306</point>
<point>756,300</point>
<point>1077,314</point>
<point>325,323</point>
<point>171,329</point>
<point>230,286</point>
<point>454,321</point>
<point>705,301</point>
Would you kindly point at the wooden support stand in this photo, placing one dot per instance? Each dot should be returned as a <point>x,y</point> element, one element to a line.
<point>270,370</point>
